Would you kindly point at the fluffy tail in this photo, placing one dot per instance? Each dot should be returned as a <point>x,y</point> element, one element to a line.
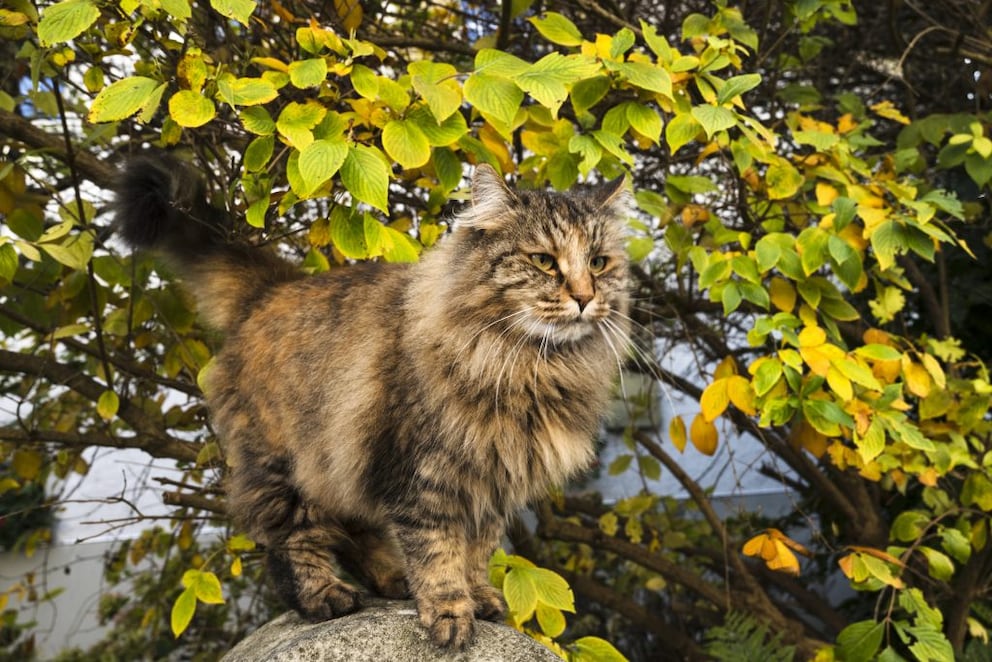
<point>162,205</point>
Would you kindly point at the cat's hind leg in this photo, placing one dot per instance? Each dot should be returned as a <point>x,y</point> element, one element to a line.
<point>374,557</point>
<point>299,540</point>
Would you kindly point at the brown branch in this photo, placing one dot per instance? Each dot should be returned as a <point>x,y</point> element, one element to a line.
<point>182,451</point>
<point>16,127</point>
<point>130,367</point>
<point>153,439</point>
<point>939,315</point>
<point>633,612</point>
<point>551,527</point>
<point>196,502</point>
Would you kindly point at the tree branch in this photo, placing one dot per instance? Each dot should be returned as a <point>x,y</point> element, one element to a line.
<point>25,132</point>
<point>156,441</point>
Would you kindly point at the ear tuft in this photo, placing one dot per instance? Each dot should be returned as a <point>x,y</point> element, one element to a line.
<point>491,200</point>
<point>614,197</point>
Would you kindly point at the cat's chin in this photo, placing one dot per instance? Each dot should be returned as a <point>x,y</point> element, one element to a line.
<point>562,332</point>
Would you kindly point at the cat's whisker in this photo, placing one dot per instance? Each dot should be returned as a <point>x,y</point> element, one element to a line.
<point>511,359</point>
<point>608,325</point>
<point>485,327</point>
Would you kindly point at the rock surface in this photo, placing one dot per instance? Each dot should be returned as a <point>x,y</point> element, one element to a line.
<point>386,630</point>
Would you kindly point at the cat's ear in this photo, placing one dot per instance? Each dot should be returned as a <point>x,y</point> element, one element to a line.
<point>614,197</point>
<point>491,200</point>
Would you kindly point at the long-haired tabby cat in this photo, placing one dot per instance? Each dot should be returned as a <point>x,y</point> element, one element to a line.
<point>388,418</point>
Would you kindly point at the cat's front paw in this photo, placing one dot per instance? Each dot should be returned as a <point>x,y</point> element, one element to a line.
<point>451,623</point>
<point>336,599</point>
<point>489,604</point>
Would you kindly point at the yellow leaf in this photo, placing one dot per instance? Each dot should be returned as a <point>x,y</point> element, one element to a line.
<point>236,567</point>
<point>714,400</point>
<point>825,194</point>
<point>888,110</point>
<point>816,359</point>
<point>812,336</point>
<point>703,435</point>
<point>846,123</point>
<point>725,368</point>
<point>872,217</point>
<point>27,464</point>
<point>840,384</point>
<point>805,436</point>
<point>783,294</point>
<point>790,543</point>
<point>741,394</point>
<point>783,560</point>
<point>772,548</point>
<point>936,372</point>
<point>676,431</point>
<point>918,380</point>
<point>350,13</point>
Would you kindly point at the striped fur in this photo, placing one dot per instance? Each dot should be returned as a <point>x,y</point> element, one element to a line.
<point>389,418</point>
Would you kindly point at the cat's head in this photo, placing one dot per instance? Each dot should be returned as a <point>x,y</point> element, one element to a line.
<point>553,264</point>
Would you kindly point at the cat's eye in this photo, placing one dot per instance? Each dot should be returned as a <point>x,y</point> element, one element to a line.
<point>598,264</point>
<point>543,261</point>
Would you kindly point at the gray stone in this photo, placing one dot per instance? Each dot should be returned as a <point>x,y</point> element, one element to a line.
<point>386,630</point>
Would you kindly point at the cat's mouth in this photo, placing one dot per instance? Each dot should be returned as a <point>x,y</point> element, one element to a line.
<point>563,329</point>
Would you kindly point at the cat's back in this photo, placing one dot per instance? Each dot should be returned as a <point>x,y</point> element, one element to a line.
<point>310,346</point>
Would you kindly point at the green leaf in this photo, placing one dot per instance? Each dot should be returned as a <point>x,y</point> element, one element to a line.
<point>691,183</point>
<point>205,585</point>
<point>366,176</point>
<point>239,10</point>
<point>191,109</point>
<point>977,491</point>
<point>551,620</point>
<point>860,641</point>
<point>122,99</point>
<point>434,82</point>
<point>308,73</point>
<point>681,130</point>
<point>74,252</point>
<point>714,119</point>
<point>258,121</point>
<point>594,649</point>
<point>547,80</point>
<point>246,91</point>
<point>348,233</point>
<point>66,20</point>
<point>365,81</point>
<point>8,264</point>
<point>587,93</point>
<point>494,95</point>
<point>320,160</point>
<point>183,610</point>
<point>557,29</point>
<point>647,77</point>
<point>888,240</point>
<point>520,594</point>
<point>446,133</point>
<point>552,589</point>
<point>877,352</point>
<point>107,404</point>
<point>783,180</point>
<point>737,86</point>
<point>177,8</point>
<point>397,246</point>
<point>447,167</point>
<point>258,153</point>
<point>297,120</point>
<point>405,143</point>
<point>645,120</point>
<point>497,63</point>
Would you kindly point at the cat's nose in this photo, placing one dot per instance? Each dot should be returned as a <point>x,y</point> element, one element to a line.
<point>583,299</point>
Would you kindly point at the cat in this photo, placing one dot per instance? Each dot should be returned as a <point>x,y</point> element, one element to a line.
<point>389,418</point>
